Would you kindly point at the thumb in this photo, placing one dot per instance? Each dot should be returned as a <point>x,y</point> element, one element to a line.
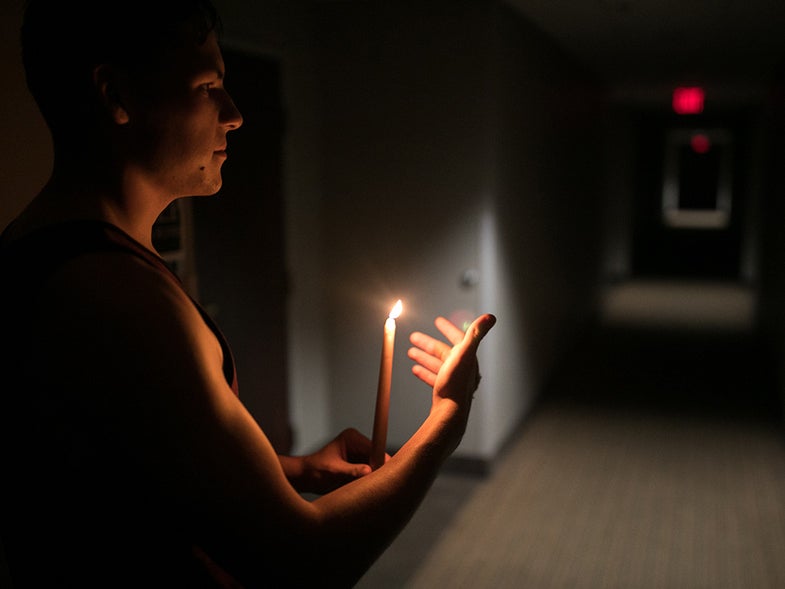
<point>361,470</point>
<point>478,330</point>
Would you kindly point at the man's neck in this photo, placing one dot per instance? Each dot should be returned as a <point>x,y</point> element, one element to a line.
<point>70,196</point>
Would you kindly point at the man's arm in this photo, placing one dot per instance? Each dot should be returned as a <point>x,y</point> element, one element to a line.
<point>155,362</point>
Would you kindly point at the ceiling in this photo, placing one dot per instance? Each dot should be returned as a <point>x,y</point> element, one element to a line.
<point>628,42</point>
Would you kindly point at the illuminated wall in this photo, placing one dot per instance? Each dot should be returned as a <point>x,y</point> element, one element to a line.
<point>457,138</point>
<point>437,152</point>
<point>547,119</point>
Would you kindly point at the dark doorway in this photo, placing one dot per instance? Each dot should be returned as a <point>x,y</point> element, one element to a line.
<point>671,249</point>
<point>239,245</point>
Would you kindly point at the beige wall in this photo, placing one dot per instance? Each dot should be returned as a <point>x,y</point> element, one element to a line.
<point>548,115</point>
<point>285,31</point>
<point>425,140</point>
<point>457,138</point>
<point>25,149</point>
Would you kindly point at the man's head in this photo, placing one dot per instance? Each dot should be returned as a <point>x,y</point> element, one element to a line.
<point>64,40</point>
<point>140,83</point>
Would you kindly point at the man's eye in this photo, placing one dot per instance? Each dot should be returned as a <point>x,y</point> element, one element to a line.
<point>207,87</point>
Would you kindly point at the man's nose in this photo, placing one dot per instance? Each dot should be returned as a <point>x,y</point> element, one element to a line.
<point>230,116</point>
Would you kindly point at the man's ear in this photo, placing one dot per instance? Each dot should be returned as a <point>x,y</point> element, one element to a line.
<point>107,83</point>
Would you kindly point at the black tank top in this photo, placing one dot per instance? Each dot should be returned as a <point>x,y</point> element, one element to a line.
<point>74,509</point>
<point>27,263</point>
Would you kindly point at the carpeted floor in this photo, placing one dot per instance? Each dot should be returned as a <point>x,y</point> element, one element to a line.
<point>657,461</point>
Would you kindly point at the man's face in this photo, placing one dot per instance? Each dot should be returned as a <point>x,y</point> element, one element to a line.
<point>179,116</point>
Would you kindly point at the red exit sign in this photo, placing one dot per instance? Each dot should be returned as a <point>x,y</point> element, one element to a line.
<point>688,100</point>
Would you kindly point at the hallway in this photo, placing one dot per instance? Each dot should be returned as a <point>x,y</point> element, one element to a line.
<point>656,461</point>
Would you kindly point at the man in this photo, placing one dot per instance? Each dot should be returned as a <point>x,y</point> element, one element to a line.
<point>128,458</point>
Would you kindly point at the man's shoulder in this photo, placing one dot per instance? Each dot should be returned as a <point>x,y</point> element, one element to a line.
<point>123,314</point>
<point>109,276</point>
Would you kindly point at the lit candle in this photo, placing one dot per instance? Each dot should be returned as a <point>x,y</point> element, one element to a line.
<point>379,440</point>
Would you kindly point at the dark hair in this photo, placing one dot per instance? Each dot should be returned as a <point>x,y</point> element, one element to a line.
<point>64,40</point>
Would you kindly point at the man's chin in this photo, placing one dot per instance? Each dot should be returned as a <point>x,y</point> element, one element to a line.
<point>211,190</point>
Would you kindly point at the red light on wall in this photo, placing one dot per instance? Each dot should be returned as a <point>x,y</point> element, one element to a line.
<point>700,143</point>
<point>688,100</point>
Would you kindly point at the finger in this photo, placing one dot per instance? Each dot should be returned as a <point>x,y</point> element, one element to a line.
<point>428,361</point>
<point>449,330</point>
<point>424,375</point>
<point>345,473</point>
<point>430,345</point>
<point>360,470</point>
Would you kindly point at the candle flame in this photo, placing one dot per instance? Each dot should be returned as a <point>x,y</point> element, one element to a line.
<point>396,310</point>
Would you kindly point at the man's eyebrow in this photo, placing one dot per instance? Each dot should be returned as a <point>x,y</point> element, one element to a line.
<point>204,72</point>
